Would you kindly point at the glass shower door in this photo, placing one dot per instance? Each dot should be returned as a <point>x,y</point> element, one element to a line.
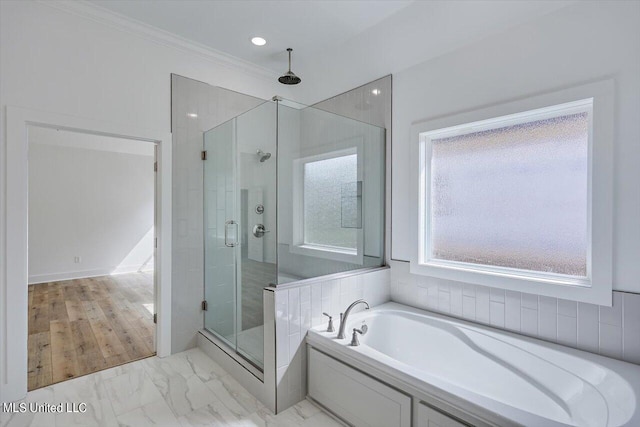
<point>221,231</point>
<point>240,228</point>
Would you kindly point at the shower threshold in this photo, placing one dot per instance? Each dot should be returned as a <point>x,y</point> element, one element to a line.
<point>248,350</point>
<point>250,344</point>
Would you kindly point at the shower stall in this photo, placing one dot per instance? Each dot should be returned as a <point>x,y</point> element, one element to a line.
<point>291,192</point>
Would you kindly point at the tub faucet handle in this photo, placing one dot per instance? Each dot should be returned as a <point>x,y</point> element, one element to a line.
<point>330,327</point>
<point>354,338</point>
<point>364,328</point>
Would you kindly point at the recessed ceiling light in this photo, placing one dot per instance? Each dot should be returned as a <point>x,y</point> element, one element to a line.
<point>258,41</point>
<point>376,92</point>
<point>194,115</point>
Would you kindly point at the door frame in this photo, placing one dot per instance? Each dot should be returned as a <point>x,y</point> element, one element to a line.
<point>14,287</point>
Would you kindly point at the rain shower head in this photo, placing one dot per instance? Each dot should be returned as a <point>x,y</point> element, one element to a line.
<point>289,78</point>
<point>263,156</point>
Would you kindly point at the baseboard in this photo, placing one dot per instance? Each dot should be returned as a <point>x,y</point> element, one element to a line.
<point>70,275</point>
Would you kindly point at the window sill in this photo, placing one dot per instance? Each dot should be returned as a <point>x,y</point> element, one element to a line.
<point>575,289</point>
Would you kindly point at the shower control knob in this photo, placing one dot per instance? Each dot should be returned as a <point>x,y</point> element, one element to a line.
<point>259,230</point>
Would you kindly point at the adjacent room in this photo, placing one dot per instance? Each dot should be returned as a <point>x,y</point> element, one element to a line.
<point>91,253</point>
<point>320,213</point>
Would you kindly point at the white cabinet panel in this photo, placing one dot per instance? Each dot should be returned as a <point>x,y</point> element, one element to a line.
<point>355,397</point>
<point>429,417</point>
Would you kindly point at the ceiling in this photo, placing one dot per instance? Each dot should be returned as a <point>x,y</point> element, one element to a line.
<point>228,26</point>
<point>337,44</point>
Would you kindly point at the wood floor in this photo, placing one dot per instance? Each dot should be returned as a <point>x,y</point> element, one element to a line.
<point>81,326</point>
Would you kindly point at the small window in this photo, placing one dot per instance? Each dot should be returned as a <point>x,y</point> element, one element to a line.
<point>509,202</point>
<point>328,213</point>
<point>328,206</point>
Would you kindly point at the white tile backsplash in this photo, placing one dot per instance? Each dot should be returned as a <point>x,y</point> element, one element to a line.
<point>529,321</point>
<point>567,330</point>
<point>567,308</point>
<point>610,331</point>
<point>530,301</point>
<point>610,340</point>
<point>631,328</point>
<point>455,292</point>
<point>444,300</point>
<point>483,305</point>
<point>547,318</point>
<point>496,313</point>
<point>468,307</point>
<point>588,332</point>
<point>496,295</point>
<point>612,315</point>
<point>512,310</point>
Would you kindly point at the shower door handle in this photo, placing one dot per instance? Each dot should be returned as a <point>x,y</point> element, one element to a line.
<point>226,234</point>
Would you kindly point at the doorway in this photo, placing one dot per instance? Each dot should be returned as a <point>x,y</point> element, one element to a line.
<point>92,253</point>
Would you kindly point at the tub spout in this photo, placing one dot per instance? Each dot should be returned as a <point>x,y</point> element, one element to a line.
<point>345,315</point>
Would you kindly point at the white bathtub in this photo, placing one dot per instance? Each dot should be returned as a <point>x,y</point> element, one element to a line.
<point>496,376</point>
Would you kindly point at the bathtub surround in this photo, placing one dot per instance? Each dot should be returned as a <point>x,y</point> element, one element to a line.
<point>609,331</point>
<point>468,374</point>
<point>299,307</point>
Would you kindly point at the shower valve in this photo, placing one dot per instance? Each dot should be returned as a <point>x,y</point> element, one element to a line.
<point>259,230</point>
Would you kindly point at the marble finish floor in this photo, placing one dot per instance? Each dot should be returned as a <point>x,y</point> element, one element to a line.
<point>183,390</point>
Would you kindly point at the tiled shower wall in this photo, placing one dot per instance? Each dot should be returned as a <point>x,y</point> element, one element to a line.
<point>609,331</point>
<point>195,108</point>
<point>299,307</point>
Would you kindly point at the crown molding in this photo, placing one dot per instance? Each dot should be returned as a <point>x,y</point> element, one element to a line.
<point>129,25</point>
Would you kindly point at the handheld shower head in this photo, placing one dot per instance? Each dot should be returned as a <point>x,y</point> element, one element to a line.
<point>263,156</point>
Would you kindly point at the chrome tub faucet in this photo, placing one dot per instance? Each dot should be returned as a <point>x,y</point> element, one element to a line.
<point>345,315</point>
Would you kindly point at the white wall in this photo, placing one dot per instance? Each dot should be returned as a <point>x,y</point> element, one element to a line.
<point>581,43</point>
<point>65,58</point>
<point>97,205</point>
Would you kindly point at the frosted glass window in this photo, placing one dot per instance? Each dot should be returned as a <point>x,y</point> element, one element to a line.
<point>513,196</point>
<point>325,182</point>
